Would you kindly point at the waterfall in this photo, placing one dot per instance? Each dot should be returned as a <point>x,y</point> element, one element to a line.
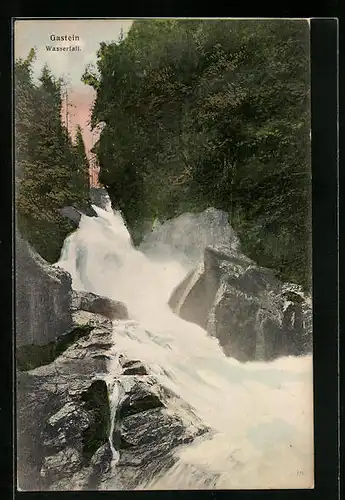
<point>261,412</point>
<point>114,398</point>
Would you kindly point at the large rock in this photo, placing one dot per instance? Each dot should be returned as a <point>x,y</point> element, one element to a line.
<point>88,301</point>
<point>252,314</point>
<point>73,434</point>
<point>63,416</point>
<point>42,297</point>
<point>150,424</point>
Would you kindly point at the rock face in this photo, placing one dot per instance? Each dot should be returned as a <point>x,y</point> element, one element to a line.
<point>87,301</point>
<point>252,314</point>
<point>67,426</point>
<point>43,295</point>
<point>63,412</point>
<point>150,424</point>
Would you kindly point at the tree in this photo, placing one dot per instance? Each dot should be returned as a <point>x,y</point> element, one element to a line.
<point>48,171</point>
<point>211,113</point>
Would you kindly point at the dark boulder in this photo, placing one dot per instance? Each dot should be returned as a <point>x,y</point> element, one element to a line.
<point>88,301</point>
<point>252,314</point>
<point>138,401</point>
<point>74,215</point>
<point>42,297</point>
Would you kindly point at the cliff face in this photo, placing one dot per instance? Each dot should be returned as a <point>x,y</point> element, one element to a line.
<point>42,297</point>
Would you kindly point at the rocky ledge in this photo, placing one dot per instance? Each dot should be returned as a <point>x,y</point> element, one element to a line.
<point>87,301</point>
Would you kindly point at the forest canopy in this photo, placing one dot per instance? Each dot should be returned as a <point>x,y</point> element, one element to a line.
<point>211,113</point>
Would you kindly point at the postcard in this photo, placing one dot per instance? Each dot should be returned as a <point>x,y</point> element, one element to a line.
<point>163,267</point>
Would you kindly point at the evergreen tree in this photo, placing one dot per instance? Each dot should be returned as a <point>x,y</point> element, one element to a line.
<point>46,161</point>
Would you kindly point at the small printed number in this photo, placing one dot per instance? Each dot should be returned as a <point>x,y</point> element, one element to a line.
<point>300,473</point>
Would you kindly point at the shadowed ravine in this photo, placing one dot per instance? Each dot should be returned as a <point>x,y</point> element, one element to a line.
<point>260,412</point>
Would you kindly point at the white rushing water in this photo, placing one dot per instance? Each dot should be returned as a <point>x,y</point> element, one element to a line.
<point>262,413</point>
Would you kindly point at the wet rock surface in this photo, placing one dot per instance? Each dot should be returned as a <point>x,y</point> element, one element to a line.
<point>151,424</point>
<point>32,356</point>
<point>64,418</point>
<point>63,412</point>
<point>71,213</point>
<point>252,314</point>
<point>87,301</point>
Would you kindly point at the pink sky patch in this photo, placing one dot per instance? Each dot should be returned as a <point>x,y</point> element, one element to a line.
<point>80,108</point>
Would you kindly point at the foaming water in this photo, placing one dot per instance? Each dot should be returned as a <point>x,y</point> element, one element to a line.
<point>261,413</point>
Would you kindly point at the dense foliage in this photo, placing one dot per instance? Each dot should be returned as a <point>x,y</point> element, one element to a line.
<point>211,113</point>
<point>51,171</point>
